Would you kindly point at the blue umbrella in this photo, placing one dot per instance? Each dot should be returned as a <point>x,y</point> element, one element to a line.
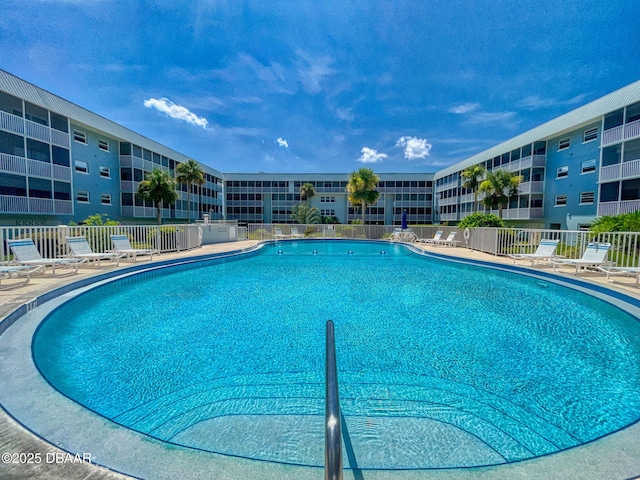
<point>404,219</point>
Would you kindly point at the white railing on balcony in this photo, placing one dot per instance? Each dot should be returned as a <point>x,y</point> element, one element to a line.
<point>126,160</point>
<point>448,201</point>
<point>61,173</point>
<point>631,169</point>
<point>539,161</point>
<point>608,208</point>
<point>531,187</point>
<point>40,205</point>
<point>38,168</point>
<point>128,186</point>
<point>60,138</point>
<point>11,204</point>
<point>448,217</point>
<point>63,207</point>
<point>13,164</point>
<point>12,123</point>
<point>447,186</point>
<point>610,172</point>
<point>612,135</point>
<point>632,130</point>
<point>36,130</point>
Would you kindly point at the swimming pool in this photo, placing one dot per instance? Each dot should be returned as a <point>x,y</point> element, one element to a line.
<point>440,365</point>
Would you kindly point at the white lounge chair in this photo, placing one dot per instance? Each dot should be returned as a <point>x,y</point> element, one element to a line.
<point>80,248</point>
<point>435,238</point>
<point>612,270</point>
<point>10,271</point>
<point>295,233</point>
<point>26,253</point>
<point>122,245</point>
<point>449,241</point>
<point>546,250</point>
<point>277,233</point>
<point>595,255</point>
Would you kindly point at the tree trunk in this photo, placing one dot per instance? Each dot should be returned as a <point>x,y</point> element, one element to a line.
<point>364,209</point>
<point>159,214</point>
<point>189,202</point>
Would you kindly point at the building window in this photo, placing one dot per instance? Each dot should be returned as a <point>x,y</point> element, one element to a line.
<point>590,135</point>
<point>561,200</point>
<point>588,166</point>
<point>80,137</point>
<point>82,167</point>
<point>105,172</point>
<point>586,197</point>
<point>562,172</point>
<point>564,143</point>
<point>105,199</point>
<point>82,196</point>
<point>103,145</point>
<point>328,199</point>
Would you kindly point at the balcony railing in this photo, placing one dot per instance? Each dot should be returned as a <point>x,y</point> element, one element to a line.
<point>621,132</point>
<point>11,205</point>
<point>620,171</point>
<point>617,208</point>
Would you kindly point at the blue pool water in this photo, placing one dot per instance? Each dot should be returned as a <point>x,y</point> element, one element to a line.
<point>441,365</point>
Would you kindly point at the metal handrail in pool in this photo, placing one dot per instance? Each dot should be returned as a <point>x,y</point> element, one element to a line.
<point>333,433</point>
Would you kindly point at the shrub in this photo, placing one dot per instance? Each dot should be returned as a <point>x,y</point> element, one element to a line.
<point>626,222</point>
<point>481,220</point>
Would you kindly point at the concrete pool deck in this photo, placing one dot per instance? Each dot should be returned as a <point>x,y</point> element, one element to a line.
<point>616,456</point>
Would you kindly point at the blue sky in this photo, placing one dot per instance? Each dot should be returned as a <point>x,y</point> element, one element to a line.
<point>332,86</point>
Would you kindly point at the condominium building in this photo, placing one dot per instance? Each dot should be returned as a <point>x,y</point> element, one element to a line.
<point>576,167</point>
<point>61,163</point>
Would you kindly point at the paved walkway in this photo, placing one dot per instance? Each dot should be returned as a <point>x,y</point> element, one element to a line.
<point>15,438</point>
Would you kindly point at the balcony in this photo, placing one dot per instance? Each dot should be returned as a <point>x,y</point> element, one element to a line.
<point>618,208</point>
<point>531,187</point>
<point>10,204</point>
<point>448,217</point>
<point>621,132</point>
<point>16,124</point>
<point>620,171</point>
<point>519,213</point>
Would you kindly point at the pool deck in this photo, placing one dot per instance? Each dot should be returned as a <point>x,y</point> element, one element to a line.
<point>615,456</point>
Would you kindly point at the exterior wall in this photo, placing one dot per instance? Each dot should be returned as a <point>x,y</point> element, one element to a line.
<point>95,169</point>
<point>567,187</point>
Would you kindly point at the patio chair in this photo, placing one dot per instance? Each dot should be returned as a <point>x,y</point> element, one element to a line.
<point>613,270</point>
<point>277,233</point>
<point>435,238</point>
<point>10,271</point>
<point>80,248</point>
<point>122,246</point>
<point>594,256</point>
<point>448,242</point>
<point>295,233</point>
<point>26,253</point>
<point>546,250</point>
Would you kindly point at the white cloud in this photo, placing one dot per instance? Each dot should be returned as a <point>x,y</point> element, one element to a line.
<point>178,112</point>
<point>345,114</point>
<point>484,118</point>
<point>370,155</point>
<point>464,108</point>
<point>313,70</point>
<point>535,102</point>
<point>282,142</point>
<point>414,147</point>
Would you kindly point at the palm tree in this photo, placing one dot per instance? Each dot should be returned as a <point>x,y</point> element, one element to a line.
<point>189,173</point>
<point>305,214</point>
<point>158,187</point>
<point>307,191</point>
<point>361,187</point>
<point>472,177</point>
<point>500,187</point>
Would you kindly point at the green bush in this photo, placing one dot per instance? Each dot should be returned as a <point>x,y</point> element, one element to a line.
<point>481,220</point>
<point>626,222</point>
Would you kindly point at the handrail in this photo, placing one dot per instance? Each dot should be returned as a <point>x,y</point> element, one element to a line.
<point>333,432</point>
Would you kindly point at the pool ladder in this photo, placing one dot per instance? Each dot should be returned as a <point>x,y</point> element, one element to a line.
<point>333,416</point>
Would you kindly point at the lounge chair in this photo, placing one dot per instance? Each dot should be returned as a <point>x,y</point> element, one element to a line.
<point>26,253</point>
<point>277,233</point>
<point>546,250</point>
<point>122,246</point>
<point>80,248</point>
<point>594,256</point>
<point>612,270</point>
<point>435,238</point>
<point>448,242</point>
<point>295,233</point>
<point>10,271</point>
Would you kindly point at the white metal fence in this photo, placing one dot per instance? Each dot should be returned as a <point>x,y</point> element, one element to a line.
<point>51,241</point>
<point>625,246</point>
